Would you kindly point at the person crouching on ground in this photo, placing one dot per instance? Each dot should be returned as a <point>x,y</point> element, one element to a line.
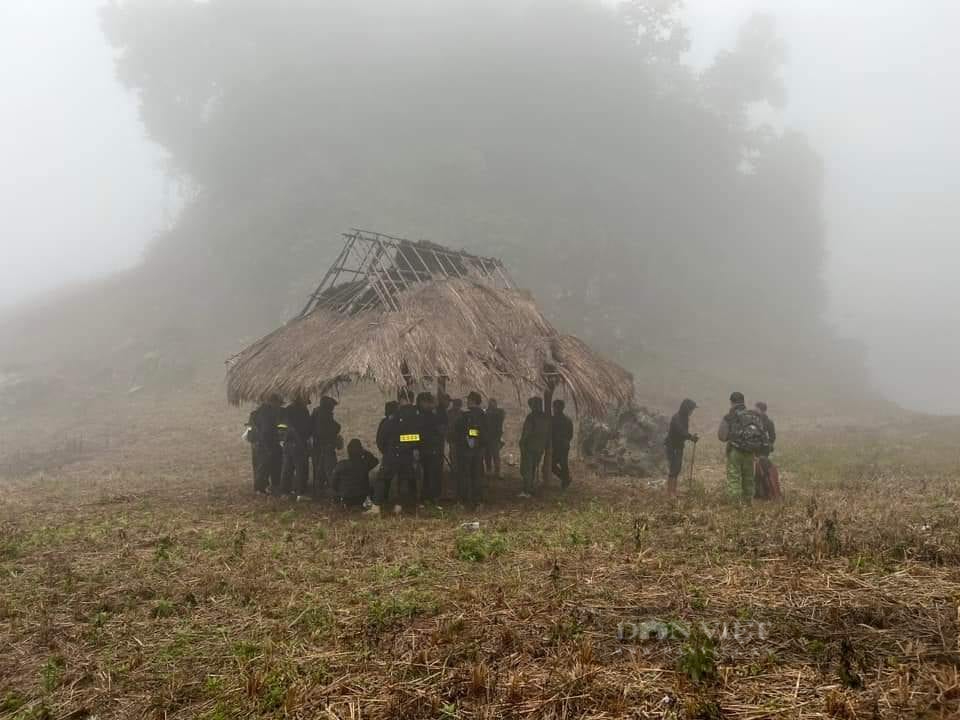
<point>677,438</point>
<point>351,477</point>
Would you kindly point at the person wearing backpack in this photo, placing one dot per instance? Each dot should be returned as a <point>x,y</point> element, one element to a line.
<point>744,432</point>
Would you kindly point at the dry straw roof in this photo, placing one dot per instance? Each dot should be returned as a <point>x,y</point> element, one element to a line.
<point>472,328</point>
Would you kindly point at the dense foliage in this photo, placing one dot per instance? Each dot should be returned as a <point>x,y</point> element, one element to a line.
<point>631,193</point>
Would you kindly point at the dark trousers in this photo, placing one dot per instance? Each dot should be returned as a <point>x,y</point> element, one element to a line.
<point>675,460</point>
<point>324,461</point>
<point>295,472</point>
<point>561,464</point>
<point>432,476</point>
<point>269,465</point>
<point>255,461</point>
<point>454,466</point>
<point>491,457</point>
<point>382,484</point>
<point>402,470</point>
<point>470,476</point>
<point>530,460</point>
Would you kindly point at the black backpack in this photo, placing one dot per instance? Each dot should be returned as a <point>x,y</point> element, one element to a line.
<point>748,431</point>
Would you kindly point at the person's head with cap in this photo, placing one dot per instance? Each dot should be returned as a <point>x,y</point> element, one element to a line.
<point>737,399</point>
<point>425,402</point>
<point>535,404</point>
<point>390,408</point>
<point>354,448</point>
<point>687,407</point>
<point>761,406</point>
<point>474,399</point>
<point>559,406</point>
<point>275,399</point>
<point>327,403</point>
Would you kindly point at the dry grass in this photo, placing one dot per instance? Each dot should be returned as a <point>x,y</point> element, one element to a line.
<point>478,335</point>
<point>148,582</point>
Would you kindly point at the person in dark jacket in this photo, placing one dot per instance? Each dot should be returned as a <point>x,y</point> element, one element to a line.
<point>384,477</point>
<point>453,416</point>
<point>265,421</point>
<point>769,426</point>
<point>431,448</point>
<point>762,489</point>
<point>491,456</point>
<point>326,442</point>
<point>533,443</point>
<point>561,438</point>
<point>470,432</point>
<point>294,469</point>
<point>677,438</point>
<point>403,439</point>
<point>351,477</point>
<point>443,426</point>
<point>294,477</point>
<point>740,474</point>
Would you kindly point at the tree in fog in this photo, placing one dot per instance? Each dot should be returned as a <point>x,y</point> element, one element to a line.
<point>632,194</point>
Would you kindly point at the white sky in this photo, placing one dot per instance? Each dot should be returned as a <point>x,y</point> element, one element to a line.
<point>873,83</point>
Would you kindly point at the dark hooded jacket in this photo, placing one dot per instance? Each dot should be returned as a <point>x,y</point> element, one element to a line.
<point>298,417</point>
<point>351,477</point>
<point>325,428</point>
<point>679,432</point>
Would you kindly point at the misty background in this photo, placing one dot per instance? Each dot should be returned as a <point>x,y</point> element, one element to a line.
<point>85,190</point>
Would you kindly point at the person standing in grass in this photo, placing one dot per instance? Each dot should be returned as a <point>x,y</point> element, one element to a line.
<point>677,438</point>
<point>745,434</point>
<point>269,455</point>
<point>765,488</point>
<point>491,457</point>
<point>384,478</point>
<point>533,443</point>
<point>562,437</point>
<point>431,448</point>
<point>471,437</point>
<point>326,442</point>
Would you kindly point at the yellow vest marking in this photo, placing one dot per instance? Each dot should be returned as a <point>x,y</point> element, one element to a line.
<point>410,438</point>
<point>473,432</point>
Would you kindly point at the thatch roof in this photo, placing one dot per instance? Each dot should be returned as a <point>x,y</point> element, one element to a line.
<point>472,332</point>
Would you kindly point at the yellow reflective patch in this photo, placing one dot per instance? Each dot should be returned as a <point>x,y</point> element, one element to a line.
<point>473,432</point>
<point>409,438</point>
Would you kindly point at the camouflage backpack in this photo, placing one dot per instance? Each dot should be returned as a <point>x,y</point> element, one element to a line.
<point>748,432</point>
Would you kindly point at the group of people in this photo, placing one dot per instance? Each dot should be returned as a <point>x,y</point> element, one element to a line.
<point>750,436</point>
<point>418,439</point>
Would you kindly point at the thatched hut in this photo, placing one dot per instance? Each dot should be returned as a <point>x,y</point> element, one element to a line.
<point>399,313</point>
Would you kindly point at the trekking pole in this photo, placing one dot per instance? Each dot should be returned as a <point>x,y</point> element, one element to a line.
<point>693,464</point>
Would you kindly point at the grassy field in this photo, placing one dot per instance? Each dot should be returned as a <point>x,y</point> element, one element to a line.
<point>142,578</point>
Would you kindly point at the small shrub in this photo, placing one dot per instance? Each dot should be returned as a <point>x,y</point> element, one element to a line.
<point>386,612</point>
<point>479,546</point>
<point>163,609</point>
<point>52,672</point>
<point>698,660</point>
<point>11,702</point>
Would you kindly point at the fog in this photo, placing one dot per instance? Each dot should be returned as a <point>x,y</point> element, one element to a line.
<point>870,84</point>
